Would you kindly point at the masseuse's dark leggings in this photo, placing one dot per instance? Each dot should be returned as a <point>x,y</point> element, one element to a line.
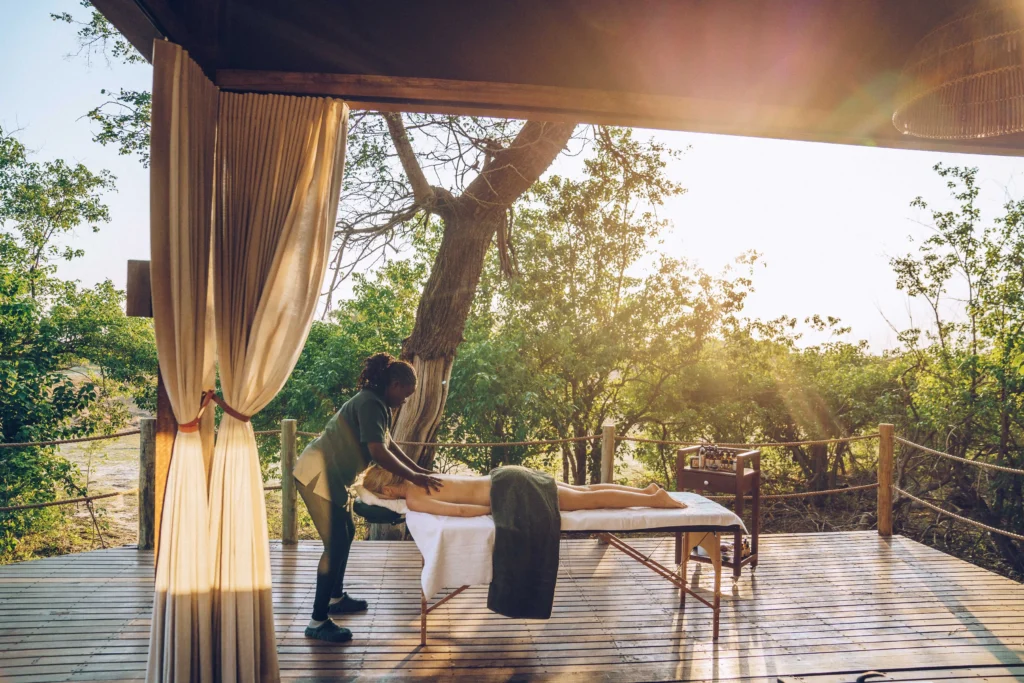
<point>334,523</point>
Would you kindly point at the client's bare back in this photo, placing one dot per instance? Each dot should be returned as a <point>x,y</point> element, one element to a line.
<point>469,496</point>
<point>458,489</point>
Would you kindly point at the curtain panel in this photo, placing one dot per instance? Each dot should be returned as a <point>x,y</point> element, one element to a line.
<point>279,168</point>
<point>183,144</point>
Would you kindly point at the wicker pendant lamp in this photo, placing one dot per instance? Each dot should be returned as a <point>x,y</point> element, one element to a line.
<point>965,79</point>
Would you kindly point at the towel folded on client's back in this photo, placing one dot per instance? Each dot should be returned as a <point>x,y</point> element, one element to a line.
<point>524,504</point>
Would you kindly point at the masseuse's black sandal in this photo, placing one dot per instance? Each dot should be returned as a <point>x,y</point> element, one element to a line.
<point>329,632</point>
<point>347,605</point>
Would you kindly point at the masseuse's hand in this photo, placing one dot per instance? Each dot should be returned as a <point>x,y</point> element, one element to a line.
<point>427,483</point>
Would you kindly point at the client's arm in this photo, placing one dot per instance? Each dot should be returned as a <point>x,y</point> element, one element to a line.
<point>440,507</point>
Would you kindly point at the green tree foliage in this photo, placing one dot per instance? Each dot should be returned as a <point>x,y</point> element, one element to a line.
<point>773,390</point>
<point>601,321</point>
<point>37,400</point>
<point>497,395</point>
<point>962,374</point>
<point>45,201</point>
<point>68,356</point>
<point>378,317</point>
<point>124,121</point>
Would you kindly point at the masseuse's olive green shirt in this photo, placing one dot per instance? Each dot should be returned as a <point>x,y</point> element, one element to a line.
<point>335,458</point>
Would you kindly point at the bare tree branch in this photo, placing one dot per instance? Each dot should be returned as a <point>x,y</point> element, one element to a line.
<point>421,189</point>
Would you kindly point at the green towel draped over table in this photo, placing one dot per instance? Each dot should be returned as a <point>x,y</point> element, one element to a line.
<point>524,504</point>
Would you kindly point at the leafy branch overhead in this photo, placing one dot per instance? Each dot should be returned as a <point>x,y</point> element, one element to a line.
<point>97,37</point>
<point>123,119</point>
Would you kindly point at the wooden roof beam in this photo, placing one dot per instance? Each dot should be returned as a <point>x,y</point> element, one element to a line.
<point>547,103</point>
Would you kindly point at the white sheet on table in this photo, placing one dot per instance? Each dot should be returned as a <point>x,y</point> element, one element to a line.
<point>457,550</point>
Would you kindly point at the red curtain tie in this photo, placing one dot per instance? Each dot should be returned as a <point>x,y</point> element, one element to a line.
<point>229,410</point>
<point>209,396</point>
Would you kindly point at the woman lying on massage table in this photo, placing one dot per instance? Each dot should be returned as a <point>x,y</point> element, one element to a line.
<point>470,496</point>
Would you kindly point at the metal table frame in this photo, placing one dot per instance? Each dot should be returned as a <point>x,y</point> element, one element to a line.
<point>707,537</point>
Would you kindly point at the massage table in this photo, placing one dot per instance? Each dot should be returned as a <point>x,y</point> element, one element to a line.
<point>456,551</point>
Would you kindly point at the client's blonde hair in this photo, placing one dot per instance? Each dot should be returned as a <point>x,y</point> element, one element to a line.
<point>376,478</point>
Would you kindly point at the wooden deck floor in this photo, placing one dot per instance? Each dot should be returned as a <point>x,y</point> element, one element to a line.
<point>819,607</point>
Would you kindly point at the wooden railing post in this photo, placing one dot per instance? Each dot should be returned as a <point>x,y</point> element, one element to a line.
<point>289,499</point>
<point>166,433</point>
<point>608,452</point>
<point>886,445</point>
<point>147,482</point>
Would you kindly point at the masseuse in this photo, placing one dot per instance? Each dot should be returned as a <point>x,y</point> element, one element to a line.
<point>358,435</point>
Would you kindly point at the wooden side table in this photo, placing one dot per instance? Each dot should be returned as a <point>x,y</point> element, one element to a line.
<point>745,480</point>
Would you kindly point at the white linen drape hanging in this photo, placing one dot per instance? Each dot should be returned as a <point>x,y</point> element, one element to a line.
<point>183,142</point>
<point>279,168</point>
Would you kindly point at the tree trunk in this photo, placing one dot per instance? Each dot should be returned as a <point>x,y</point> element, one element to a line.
<point>579,474</point>
<point>837,464</point>
<point>664,458</point>
<point>595,460</point>
<point>470,223</point>
<point>385,532</point>
<point>819,467</point>
<point>420,417</point>
<point>499,455</point>
<point>819,481</point>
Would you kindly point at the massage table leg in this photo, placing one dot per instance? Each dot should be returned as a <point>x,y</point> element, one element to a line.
<point>682,558</point>
<point>715,552</point>
<point>424,610</point>
<point>712,544</point>
<point>423,618</point>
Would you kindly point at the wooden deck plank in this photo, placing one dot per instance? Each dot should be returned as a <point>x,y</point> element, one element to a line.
<point>818,607</point>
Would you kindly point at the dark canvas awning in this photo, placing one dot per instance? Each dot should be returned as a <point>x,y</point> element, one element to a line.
<point>798,69</point>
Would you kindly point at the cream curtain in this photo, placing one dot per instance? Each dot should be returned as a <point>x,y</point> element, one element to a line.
<point>279,168</point>
<point>182,151</point>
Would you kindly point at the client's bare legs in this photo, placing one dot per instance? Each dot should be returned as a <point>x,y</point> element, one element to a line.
<point>572,499</point>
<point>651,488</point>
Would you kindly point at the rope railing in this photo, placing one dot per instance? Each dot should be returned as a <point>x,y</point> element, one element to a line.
<point>538,442</point>
<point>499,444</point>
<point>89,499</point>
<point>67,501</point>
<point>976,463</point>
<point>608,437</point>
<point>803,494</point>
<point>60,442</point>
<point>961,518</point>
<point>767,444</point>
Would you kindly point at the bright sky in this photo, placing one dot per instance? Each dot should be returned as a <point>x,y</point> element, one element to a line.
<point>826,218</point>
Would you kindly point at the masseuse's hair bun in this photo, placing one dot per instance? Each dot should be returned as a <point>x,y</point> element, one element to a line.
<point>381,369</point>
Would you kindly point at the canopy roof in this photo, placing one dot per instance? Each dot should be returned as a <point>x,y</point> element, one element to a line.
<point>796,69</point>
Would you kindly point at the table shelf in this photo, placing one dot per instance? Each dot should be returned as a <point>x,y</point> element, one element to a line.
<point>745,480</point>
